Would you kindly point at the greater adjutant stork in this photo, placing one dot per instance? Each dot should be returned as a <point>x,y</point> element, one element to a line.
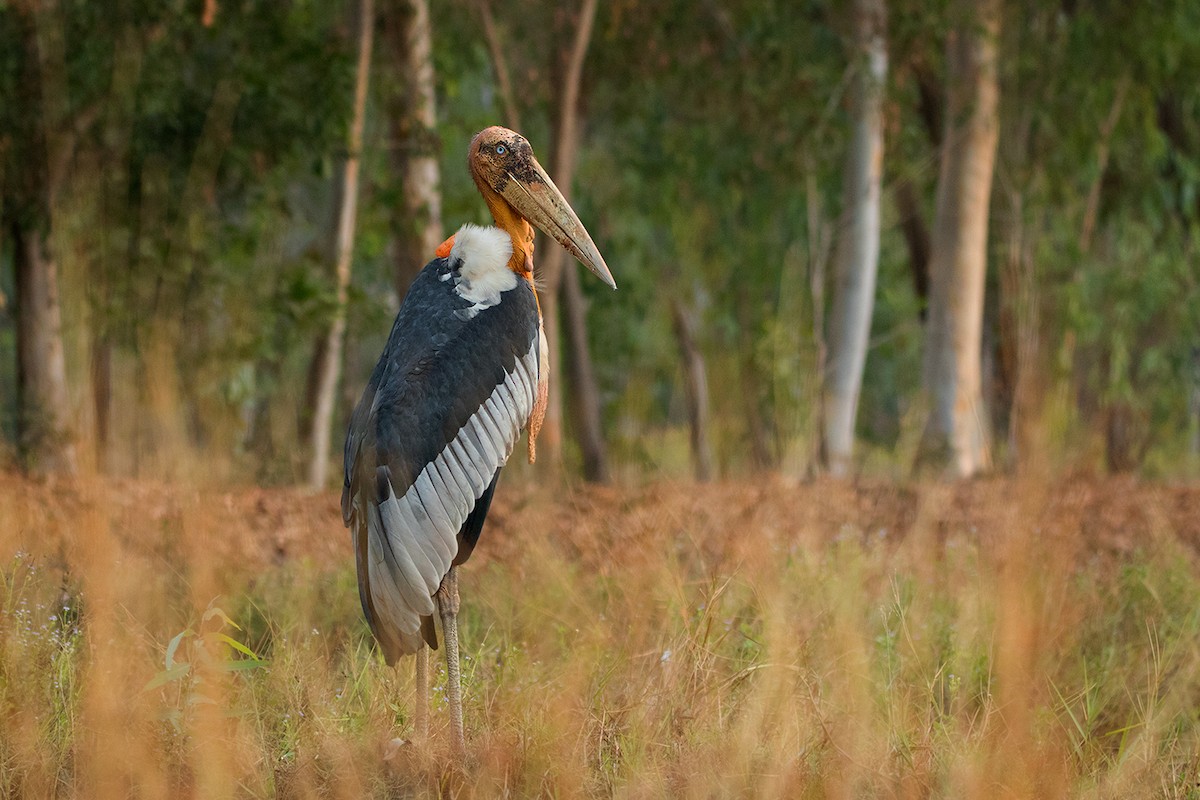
<point>464,370</point>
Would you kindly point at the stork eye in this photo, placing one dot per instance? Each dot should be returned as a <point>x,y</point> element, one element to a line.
<point>501,149</point>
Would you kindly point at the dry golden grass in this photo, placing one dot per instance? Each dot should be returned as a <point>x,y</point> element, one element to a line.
<point>995,639</point>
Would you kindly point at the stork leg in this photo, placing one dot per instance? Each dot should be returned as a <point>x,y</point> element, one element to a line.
<point>421,713</point>
<point>447,597</point>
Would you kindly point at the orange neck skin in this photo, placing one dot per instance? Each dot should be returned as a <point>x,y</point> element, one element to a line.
<point>518,229</point>
<point>508,220</point>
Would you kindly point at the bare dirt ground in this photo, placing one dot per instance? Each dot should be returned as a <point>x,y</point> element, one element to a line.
<point>254,528</point>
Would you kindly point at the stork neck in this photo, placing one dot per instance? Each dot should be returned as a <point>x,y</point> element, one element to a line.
<point>521,232</point>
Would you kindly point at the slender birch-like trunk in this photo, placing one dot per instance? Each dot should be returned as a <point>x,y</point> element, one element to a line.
<point>415,143</point>
<point>956,434</point>
<point>329,366</point>
<point>857,250</point>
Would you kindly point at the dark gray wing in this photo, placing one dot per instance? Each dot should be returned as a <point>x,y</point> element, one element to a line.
<point>441,414</point>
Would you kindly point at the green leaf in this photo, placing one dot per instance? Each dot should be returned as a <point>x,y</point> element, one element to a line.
<point>168,675</point>
<point>235,644</point>
<point>174,646</point>
<point>241,665</point>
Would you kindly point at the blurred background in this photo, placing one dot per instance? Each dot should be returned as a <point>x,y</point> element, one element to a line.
<point>897,241</point>
<point>863,238</point>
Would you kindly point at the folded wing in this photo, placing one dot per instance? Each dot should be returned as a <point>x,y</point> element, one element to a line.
<point>440,417</point>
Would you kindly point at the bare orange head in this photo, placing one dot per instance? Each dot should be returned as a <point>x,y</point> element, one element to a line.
<point>519,193</point>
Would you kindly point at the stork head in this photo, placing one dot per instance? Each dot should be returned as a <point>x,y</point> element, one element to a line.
<point>504,168</point>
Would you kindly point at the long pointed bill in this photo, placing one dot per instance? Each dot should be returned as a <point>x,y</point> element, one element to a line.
<point>540,202</point>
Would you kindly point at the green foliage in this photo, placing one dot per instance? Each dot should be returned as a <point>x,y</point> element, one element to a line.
<point>192,659</point>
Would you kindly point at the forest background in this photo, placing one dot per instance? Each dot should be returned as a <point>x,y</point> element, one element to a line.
<point>795,199</point>
<point>865,250</point>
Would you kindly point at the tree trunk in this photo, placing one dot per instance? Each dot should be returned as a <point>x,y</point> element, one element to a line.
<point>117,125</point>
<point>1193,390</point>
<point>762,454</point>
<point>695,387</point>
<point>585,392</point>
<point>557,274</point>
<point>36,158</point>
<point>908,202</point>
<point>857,259</point>
<point>1124,434</point>
<point>1020,342</point>
<point>512,114</point>
<point>102,392</point>
<point>1091,210</point>
<point>330,363</point>
<point>957,430</point>
<point>916,237</point>
<point>551,265</point>
<point>1022,368</point>
<point>1126,437</point>
<point>46,437</point>
<point>820,243</point>
<point>415,145</point>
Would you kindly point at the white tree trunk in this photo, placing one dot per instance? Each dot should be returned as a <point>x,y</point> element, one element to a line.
<point>421,215</point>
<point>857,249</point>
<point>330,367</point>
<point>957,430</point>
